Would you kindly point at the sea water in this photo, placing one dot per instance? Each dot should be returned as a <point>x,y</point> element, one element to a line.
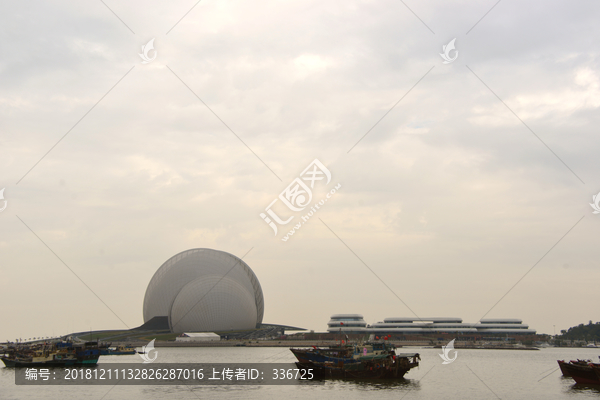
<point>475,374</point>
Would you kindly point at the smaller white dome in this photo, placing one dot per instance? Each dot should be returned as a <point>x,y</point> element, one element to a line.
<point>213,303</point>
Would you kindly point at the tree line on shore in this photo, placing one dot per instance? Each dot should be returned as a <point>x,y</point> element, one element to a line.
<point>589,332</point>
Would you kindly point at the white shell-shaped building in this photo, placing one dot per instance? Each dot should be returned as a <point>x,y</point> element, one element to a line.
<point>205,290</point>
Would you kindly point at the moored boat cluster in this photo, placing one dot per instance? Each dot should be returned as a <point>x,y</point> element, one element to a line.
<point>582,371</point>
<point>58,353</point>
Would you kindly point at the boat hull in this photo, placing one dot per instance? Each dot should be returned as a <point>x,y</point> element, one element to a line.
<point>347,362</point>
<point>359,372</point>
<point>564,369</point>
<point>12,363</point>
<point>117,353</point>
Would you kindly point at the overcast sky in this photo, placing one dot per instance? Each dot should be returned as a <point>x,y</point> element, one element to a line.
<point>485,167</point>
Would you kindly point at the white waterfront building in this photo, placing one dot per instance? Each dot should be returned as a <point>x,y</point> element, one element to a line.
<point>198,337</point>
<point>350,323</point>
<point>355,323</point>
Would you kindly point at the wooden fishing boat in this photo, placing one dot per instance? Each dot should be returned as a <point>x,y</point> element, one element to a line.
<point>371,360</point>
<point>117,351</point>
<point>564,366</point>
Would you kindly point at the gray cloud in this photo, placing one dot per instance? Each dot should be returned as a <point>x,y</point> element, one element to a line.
<point>450,198</point>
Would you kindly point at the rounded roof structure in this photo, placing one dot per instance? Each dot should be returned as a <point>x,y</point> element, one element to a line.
<point>342,316</point>
<point>205,290</point>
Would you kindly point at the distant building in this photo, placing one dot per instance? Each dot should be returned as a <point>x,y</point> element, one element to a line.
<point>355,323</point>
<point>351,323</point>
<point>198,337</point>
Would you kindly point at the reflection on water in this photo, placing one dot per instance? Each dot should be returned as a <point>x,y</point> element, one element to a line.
<point>581,388</point>
<point>476,374</point>
<point>156,392</point>
<point>375,384</point>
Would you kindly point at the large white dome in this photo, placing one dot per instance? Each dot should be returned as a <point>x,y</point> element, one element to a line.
<point>205,290</point>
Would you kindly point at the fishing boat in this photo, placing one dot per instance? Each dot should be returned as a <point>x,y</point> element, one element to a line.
<point>51,354</point>
<point>117,351</point>
<point>565,366</point>
<point>582,371</point>
<point>369,360</point>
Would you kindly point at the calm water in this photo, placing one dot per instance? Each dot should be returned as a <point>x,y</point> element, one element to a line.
<point>476,374</point>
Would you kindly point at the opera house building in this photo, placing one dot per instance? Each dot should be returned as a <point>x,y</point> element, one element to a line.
<point>204,290</point>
